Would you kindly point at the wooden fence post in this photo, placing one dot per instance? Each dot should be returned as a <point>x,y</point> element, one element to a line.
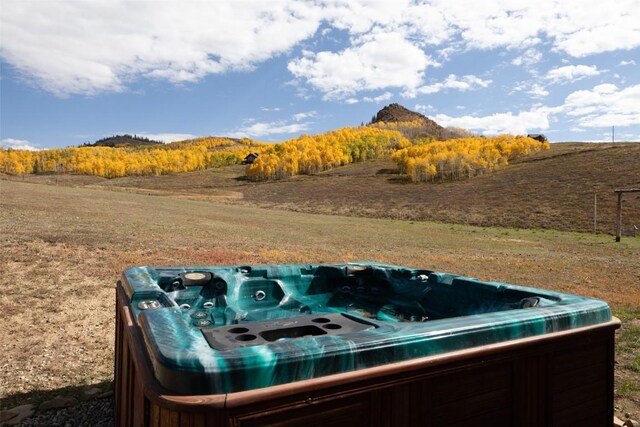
<point>619,209</point>
<point>619,216</point>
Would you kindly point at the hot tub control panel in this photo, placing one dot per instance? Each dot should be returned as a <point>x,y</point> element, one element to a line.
<point>259,333</point>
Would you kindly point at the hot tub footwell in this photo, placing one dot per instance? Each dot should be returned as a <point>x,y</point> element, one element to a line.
<point>556,379</point>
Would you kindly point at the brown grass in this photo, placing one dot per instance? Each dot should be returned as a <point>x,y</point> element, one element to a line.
<point>64,247</point>
<point>554,189</point>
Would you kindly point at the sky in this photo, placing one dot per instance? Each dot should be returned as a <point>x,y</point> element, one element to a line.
<point>77,71</point>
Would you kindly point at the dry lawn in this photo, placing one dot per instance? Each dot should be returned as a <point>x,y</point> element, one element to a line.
<point>64,247</point>
<point>554,190</point>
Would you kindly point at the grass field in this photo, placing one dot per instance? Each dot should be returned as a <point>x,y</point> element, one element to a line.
<point>63,248</point>
<point>553,189</point>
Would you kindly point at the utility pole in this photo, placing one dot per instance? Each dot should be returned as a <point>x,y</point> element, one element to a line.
<point>613,134</point>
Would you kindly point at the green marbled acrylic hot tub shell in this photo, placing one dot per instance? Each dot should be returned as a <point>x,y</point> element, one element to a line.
<point>211,330</point>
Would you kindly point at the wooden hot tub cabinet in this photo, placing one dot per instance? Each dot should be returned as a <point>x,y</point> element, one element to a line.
<point>557,379</point>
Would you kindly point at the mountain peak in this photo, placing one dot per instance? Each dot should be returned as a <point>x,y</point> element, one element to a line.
<point>397,113</point>
<point>425,128</point>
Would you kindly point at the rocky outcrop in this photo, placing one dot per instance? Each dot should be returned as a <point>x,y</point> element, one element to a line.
<point>396,113</point>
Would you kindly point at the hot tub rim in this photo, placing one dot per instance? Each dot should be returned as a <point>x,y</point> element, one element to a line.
<point>161,396</point>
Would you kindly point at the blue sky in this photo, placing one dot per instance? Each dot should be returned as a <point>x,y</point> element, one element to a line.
<point>77,71</point>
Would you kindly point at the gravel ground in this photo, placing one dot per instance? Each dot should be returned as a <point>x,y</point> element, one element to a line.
<point>97,412</point>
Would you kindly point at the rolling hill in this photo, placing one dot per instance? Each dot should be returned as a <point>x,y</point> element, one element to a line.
<point>553,189</point>
<point>124,141</point>
<point>558,188</point>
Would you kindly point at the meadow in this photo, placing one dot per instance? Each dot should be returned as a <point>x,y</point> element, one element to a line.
<point>64,247</point>
<point>553,189</point>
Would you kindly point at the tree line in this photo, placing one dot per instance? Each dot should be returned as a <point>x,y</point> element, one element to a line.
<point>112,162</point>
<point>311,154</point>
<point>462,157</point>
<point>422,159</point>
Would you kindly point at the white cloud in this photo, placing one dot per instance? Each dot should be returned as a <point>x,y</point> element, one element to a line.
<point>90,47</point>
<point>18,144</point>
<point>380,61</point>
<point>625,63</point>
<point>380,98</point>
<point>571,73</point>
<point>538,91</point>
<point>530,57</point>
<point>301,116</point>
<point>424,109</point>
<point>462,84</point>
<point>375,99</point>
<point>577,27</point>
<point>423,22</point>
<point>295,125</point>
<point>447,52</point>
<point>605,105</point>
<point>587,27</point>
<point>631,137</point>
<point>495,24</point>
<point>521,123</point>
<point>164,137</point>
<point>267,109</point>
<point>263,129</point>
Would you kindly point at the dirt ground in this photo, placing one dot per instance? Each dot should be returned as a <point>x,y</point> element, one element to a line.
<point>63,249</point>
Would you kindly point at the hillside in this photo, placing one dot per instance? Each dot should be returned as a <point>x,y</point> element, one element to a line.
<point>145,158</point>
<point>553,189</point>
<point>126,155</point>
<point>124,141</point>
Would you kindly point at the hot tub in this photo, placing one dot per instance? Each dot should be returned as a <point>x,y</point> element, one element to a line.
<point>356,344</point>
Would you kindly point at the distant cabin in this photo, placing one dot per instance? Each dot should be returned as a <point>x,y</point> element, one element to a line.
<point>250,158</point>
<point>538,137</point>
